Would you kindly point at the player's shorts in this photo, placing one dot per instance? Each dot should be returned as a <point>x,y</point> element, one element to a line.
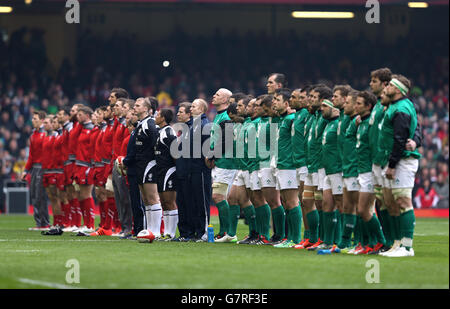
<point>405,173</point>
<point>255,182</point>
<point>49,179</point>
<point>82,175</point>
<point>266,178</point>
<point>351,184</point>
<point>60,180</point>
<point>312,179</point>
<point>68,172</point>
<point>221,175</point>
<point>242,179</point>
<point>365,181</point>
<point>99,176</point>
<point>377,175</point>
<point>335,183</point>
<point>286,179</point>
<point>302,172</point>
<point>321,178</point>
<point>146,172</point>
<point>108,169</point>
<point>166,179</point>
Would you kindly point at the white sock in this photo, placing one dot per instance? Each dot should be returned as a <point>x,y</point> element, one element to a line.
<point>148,216</point>
<point>173,222</point>
<point>155,219</point>
<point>166,221</point>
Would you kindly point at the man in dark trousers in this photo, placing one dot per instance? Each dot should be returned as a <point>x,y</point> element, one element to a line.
<point>130,163</point>
<point>200,183</point>
<point>183,200</point>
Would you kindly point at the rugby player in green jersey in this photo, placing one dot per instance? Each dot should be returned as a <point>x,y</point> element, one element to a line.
<point>316,172</point>
<point>286,174</point>
<point>299,103</point>
<point>364,104</point>
<point>223,169</point>
<point>238,197</point>
<point>400,124</point>
<point>379,79</point>
<point>332,185</point>
<point>263,176</point>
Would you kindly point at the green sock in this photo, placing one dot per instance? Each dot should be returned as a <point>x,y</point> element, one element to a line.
<point>258,218</point>
<point>321,224</point>
<point>397,229</point>
<point>296,224</point>
<point>329,221</point>
<point>306,234</point>
<point>224,216</point>
<point>313,222</point>
<point>287,222</point>
<point>349,226</point>
<point>384,216</point>
<point>235,212</point>
<point>265,222</point>
<point>357,231</point>
<point>278,216</point>
<point>407,224</point>
<point>365,233</point>
<point>338,230</point>
<point>376,231</point>
<point>250,216</point>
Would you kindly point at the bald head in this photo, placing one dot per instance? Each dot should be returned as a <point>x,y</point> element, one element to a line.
<point>199,106</point>
<point>221,97</point>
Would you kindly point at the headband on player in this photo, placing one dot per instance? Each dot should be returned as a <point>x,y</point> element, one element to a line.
<point>328,103</point>
<point>400,86</point>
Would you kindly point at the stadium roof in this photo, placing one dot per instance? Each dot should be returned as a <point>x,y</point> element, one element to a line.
<point>310,2</point>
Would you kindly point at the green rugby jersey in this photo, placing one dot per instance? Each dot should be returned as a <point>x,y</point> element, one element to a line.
<point>263,143</point>
<point>239,153</point>
<point>363,148</point>
<point>274,138</point>
<point>310,120</point>
<point>331,160</point>
<point>376,116</point>
<point>285,160</point>
<point>386,136</point>
<point>222,162</point>
<point>344,122</point>
<point>252,145</point>
<point>315,142</point>
<point>298,137</point>
<point>349,156</point>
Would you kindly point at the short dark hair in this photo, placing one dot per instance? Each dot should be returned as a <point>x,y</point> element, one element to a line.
<point>280,78</point>
<point>232,108</point>
<point>344,89</point>
<point>266,99</point>
<point>41,114</point>
<point>306,89</point>
<point>325,92</point>
<point>403,80</point>
<point>383,74</point>
<point>186,105</point>
<point>66,110</point>
<point>369,98</point>
<point>284,92</point>
<point>238,96</point>
<point>130,103</point>
<point>85,109</point>
<point>167,114</point>
<point>153,103</point>
<point>103,108</point>
<point>120,93</point>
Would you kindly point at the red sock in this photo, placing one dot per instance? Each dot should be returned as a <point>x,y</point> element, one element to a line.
<point>91,213</point>
<point>103,209</point>
<point>110,206</point>
<point>161,230</point>
<point>67,220</point>
<point>87,206</point>
<point>83,207</point>
<point>76,212</point>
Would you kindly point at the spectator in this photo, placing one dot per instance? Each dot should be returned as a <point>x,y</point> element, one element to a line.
<point>426,197</point>
<point>441,189</point>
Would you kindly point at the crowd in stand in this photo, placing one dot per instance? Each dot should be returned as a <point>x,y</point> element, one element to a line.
<point>227,60</point>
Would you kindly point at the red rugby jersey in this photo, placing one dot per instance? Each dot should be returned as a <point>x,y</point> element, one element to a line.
<point>74,134</point>
<point>93,140</point>
<point>123,148</point>
<point>119,134</point>
<point>35,152</point>
<point>58,150</point>
<point>99,147</point>
<point>85,151</point>
<point>108,140</point>
<point>47,151</point>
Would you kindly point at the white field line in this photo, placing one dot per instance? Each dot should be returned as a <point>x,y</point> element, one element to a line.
<point>46,284</point>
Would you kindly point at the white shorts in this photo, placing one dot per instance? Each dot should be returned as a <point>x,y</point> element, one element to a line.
<point>365,182</point>
<point>255,182</point>
<point>321,178</point>
<point>301,174</point>
<point>334,182</point>
<point>242,179</point>
<point>266,178</point>
<point>312,180</point>
<point>221,175</point>
<point>405,173</point>
<point>286,179</point>
<point>377,175</point>
<point>351,184</point>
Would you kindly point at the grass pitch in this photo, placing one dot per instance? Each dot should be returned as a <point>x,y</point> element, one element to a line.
<point>30,260</point>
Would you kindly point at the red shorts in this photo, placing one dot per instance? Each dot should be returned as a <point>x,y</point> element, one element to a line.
<point>68,174</point>
<point>108,170</point>
<point>99,176</point>
<point>82,175</point>
<point>49,179</point>
<point>60,181</point>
